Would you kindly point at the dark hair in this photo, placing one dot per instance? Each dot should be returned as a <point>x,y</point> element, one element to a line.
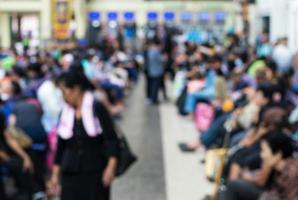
<point>215,58</point>
<point>267,90</point>
<point>16,88</point>
<point>279,142</point>
<point>73,78</point>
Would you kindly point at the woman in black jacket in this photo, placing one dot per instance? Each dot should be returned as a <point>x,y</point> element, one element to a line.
<point>87,149</point>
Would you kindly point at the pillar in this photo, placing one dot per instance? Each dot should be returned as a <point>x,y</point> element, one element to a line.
<point>80,11</point>
<point>5,39</point>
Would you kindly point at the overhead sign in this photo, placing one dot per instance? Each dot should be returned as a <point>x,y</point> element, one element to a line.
<point>62,14</point>
<point>220,16</point>
<point>186,16</point>
<point>94,16</point>
<point>112,16</point>
<point>129,16</point>
<point>152,16</point>
<point>203,16</point>
<point>169,16</point>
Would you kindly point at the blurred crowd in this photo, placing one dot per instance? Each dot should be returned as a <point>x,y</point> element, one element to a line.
<point>243,101</point>
<point>32,102</point>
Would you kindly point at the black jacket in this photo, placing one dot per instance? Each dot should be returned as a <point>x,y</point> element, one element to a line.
<point>83,154</point>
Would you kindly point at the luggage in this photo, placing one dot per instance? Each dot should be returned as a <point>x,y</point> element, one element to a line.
<point>204,115</point>
<point>213,162</point>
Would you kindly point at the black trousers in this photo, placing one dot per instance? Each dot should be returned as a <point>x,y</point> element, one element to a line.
<point>84,187</point>
<point>24,181</point>
<point>2,192</point>
<point>155,85</point>
<point>242,190</point>
<point>40,168</point>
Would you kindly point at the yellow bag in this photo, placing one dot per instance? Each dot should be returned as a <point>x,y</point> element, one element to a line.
<point>214,161</point>
<point>21,137</point>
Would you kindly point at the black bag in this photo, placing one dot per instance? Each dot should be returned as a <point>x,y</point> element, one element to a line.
<point>126,156</point>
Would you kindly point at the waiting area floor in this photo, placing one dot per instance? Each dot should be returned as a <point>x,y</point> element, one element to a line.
<point>162,171</point>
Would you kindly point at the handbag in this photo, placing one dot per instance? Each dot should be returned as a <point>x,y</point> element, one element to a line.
<point>21,137</point>
<point>126,157</point>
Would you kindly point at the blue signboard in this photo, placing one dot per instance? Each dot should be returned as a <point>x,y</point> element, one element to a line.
<point>112,16</point>
<point>186,16</point>
<point>169,16</point>
<point>203,16</point>
<point>94,16</point>
<point>152,16</point>
<point>129,16</point>
<point>220,16</point>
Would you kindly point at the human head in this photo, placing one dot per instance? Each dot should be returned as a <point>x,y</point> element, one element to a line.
<point>276,144</point>
<point>264,94</point>
<point>74,84</point>
<point>215,62</point>
<point>275,118</point>
<point>9,88</point>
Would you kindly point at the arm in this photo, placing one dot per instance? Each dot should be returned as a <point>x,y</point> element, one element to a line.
<point>260,177</point>
<point>56,171</point>
<point>110,142</point>
<point>14,145</point>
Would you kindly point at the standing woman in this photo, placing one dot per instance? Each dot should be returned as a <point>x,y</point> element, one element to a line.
<point>87,149</point>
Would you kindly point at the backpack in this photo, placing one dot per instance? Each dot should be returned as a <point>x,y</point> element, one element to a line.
<point>204,115</point>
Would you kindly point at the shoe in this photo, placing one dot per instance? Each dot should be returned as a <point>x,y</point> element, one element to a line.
<point>185,148</point>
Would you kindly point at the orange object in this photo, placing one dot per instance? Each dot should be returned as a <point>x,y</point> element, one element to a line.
<point>228,106</point>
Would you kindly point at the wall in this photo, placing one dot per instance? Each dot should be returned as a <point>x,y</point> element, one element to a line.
<point>277,10</point>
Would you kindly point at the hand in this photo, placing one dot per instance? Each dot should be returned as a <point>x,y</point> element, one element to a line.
<point>53,186</point>
<point>27,164</point>
<point>108,176</point>
<point>247,176</point>
<point>3,156</point>
<point>272,160</point>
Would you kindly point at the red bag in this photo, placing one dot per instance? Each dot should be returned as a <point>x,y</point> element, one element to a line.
<point>204,115</point>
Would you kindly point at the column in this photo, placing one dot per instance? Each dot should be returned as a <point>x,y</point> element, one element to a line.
<point>45,21</point>
<point>80,11</point>
<point>5,40</point>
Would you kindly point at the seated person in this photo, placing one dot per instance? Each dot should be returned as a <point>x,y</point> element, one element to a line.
<point>278,177</point>
<point>18,164</point>
<point>241,118</point>
<point>248,154</point>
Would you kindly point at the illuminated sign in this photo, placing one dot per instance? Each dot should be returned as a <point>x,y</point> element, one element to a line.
<point>112,16</point>
<point>203,16</point>
<point>169,16</point>
<point>152,16</point>
<point>129,16</point>
<point>220,16</point>
<point>186,16</point>
<point>94,16</point>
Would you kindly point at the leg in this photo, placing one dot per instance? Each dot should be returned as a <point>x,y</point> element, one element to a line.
<point>216,129</point>
<point>164,88</point>
<point>242,190</point>
<point>155,85</point>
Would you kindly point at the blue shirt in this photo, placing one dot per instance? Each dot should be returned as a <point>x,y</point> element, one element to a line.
<point>155,64</point>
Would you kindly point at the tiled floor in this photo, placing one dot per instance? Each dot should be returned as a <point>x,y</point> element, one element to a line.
<point>162,172</point>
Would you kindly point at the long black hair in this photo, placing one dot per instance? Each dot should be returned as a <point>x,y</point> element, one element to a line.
<point>279,142</point>
<point>75,77</point>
